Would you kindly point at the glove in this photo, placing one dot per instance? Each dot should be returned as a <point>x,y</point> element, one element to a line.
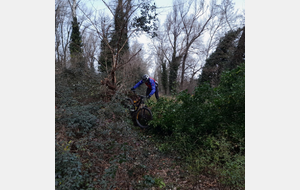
<point>148,97</point>
<point>132,88</point>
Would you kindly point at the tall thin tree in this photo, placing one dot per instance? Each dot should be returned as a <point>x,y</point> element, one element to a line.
<point>164,76</point>
<point>75,46</point>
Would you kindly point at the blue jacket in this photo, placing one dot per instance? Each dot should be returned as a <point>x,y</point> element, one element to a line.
<point>151,85</point>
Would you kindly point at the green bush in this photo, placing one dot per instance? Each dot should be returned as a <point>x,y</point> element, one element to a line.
<point>72,89</point>
<point>68,174</point>
<point>216,158</point>
<point>232,174</point>
<point>78,119</point>
<point>207,128</point>
<point>210,111</point>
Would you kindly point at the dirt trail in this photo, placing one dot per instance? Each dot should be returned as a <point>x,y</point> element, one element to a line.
<point>165,167</point>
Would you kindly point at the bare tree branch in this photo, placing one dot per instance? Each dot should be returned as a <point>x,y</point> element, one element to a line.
<point>121,65</point>
<point>108,8</point>
<point>101,36</point>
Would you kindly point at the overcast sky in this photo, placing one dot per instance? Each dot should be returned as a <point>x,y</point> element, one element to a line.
<point>165,6</point>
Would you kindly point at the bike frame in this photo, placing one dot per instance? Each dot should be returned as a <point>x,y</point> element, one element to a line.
<point>139,103</point>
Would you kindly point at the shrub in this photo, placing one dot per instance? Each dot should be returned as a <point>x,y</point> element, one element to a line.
<point>78,119</point>
<point>210,111</point>
<point>207,128</point>
<point>216,157</point>
<point>68,174</point>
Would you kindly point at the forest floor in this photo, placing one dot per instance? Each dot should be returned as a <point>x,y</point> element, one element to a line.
<point>169,168</point>
<point>118,155</point>
<point>145,168</point>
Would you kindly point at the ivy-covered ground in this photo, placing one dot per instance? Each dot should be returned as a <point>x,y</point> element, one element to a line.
<point>97,146</point>
<point>112,153</point>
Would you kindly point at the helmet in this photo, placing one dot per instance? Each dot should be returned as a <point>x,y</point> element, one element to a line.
<point>145,78</point>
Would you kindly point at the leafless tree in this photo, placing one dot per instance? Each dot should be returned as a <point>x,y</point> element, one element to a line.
<point>131,72</point>
<point>174,30</point>
<point>62,33</point>
<point>193,29</point>
<point>129,10</point>
<point>196,17</point>
<point>64,11</point>
<point>91,46</point>
<point>230,15</point>
<point>202,26</point>
<point>162,54</point>
<point>185,25</point>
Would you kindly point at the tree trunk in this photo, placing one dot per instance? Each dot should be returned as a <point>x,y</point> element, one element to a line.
<point>239,53</point>
<point>74,8</point>
<point>183,70</point>
<point>113,71</point>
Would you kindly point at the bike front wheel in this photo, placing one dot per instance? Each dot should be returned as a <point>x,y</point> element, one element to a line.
<point>143,116</point>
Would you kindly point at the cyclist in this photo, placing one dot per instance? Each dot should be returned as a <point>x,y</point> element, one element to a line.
<point>152,86</point>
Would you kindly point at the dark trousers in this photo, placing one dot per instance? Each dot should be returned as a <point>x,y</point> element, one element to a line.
<point>156,92</point>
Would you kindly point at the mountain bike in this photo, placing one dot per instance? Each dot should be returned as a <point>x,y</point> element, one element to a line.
<point>139,110</point>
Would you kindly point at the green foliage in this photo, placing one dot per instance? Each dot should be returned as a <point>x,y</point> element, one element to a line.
<point>78,119</point>
<point>233,172</point>
<point>75,40</point>
<point>147,20</point>
<point>119,35</point>
<point>94,136</point>
<point>239,54</point>
<point>208,111</point>
<point>207,128</point>
<point>220,59</point>
<point>105,58</point>
<point>149,181</point>
<point>68,169</point>
<point>75,47</point>
<point>217,159</point>
<point>74,90</point>
<point>159,182</point>
<point>163,116</point>
<point>83,125</point>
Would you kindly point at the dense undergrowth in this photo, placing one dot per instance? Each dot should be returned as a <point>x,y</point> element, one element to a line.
<point>96,144</point>
<point>207,129</point>
<point>98,147</point>
<point>83,128</point>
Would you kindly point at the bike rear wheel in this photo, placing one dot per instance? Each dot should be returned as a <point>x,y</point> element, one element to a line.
<point>143,116</point>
